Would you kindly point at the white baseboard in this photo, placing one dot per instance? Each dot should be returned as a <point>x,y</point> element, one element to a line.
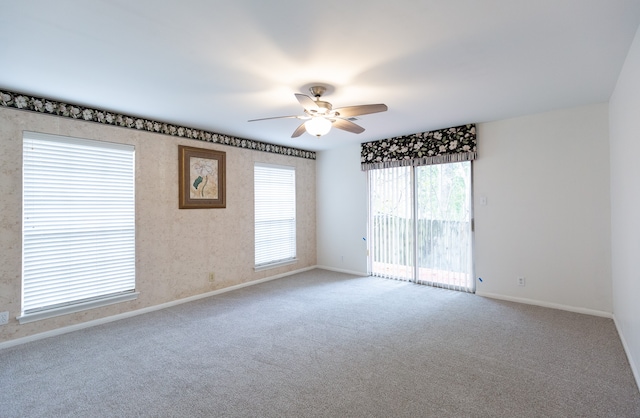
<point>627,350</point>
<point>93,323</point>
<point>355,273</point>
<point>543,304</point>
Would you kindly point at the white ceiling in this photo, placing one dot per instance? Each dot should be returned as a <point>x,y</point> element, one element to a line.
<point>215,64</point>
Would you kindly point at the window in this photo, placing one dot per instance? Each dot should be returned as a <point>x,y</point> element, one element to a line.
<point>78,234</point>
<point>275,215</point>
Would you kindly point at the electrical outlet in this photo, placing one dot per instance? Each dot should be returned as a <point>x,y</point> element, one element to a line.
<point>521,281</point>
<point>212,277</point>
<point>4,318</point>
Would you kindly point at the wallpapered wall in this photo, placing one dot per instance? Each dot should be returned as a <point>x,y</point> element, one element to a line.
<point>175,249</point>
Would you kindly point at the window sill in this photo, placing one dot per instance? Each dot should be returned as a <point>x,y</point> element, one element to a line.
<point>274,265</point>
<point>76,307</point>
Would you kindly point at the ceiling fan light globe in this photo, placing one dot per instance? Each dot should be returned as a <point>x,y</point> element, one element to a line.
<point>318,126</point>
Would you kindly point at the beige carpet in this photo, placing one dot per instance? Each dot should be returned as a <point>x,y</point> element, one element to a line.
<point>323,344</point>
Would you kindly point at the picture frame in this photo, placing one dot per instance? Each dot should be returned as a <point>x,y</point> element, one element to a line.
<point>202,178</point>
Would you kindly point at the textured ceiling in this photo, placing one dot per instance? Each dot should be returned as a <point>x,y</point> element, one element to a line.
<point>214,65</point>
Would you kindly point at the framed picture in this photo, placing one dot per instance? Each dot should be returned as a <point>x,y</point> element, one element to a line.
<point>202,178</point>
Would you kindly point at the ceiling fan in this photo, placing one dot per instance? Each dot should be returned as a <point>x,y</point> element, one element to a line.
<point>319,116</point>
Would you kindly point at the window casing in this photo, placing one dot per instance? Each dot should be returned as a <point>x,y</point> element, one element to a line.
<point>275,215</point>
<point>78,230</point>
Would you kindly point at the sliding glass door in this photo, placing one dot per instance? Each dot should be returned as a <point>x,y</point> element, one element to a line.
<point>420,224</point>
<point>391,231</point>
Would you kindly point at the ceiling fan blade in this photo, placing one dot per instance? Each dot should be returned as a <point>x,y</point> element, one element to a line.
<point>277,117</point>
<point>348,126</point>
<point>299,130</point>
<point>360,110</point>
<point>307,103</point>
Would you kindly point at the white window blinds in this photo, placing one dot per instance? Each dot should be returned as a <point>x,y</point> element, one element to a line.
<point>78,222</point>
<point>275,214</point>
<point>391,231</point>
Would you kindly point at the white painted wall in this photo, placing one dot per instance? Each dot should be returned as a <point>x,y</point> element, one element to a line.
<point>624,114</point>
<point>547,218</point>
<point>546,180</point>
<point>341,210</point>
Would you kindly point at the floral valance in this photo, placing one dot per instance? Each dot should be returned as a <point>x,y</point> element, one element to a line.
<point>425,148</point>
<point>53,107</point>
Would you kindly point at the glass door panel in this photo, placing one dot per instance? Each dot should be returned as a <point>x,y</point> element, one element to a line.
<point>443,225</point>
<point>391,231</point>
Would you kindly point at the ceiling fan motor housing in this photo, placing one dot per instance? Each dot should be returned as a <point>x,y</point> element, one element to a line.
<point>323,107</point>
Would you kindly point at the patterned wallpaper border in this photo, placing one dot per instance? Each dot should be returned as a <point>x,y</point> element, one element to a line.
<point>52,107</point>
<point>458,143</point>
